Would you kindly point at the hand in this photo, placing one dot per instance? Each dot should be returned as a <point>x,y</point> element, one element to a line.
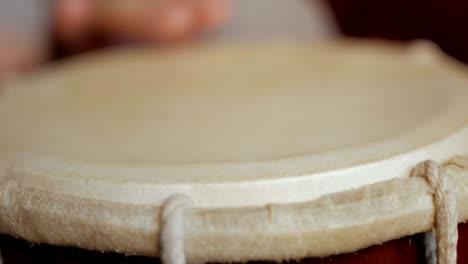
<point>160,21</point>
<point>77,23</point>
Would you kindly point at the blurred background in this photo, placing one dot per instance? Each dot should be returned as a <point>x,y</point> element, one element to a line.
<point>32,31</point>
<point>443,21</point>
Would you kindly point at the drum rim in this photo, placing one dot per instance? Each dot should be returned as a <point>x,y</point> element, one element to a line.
<point>135,229</point>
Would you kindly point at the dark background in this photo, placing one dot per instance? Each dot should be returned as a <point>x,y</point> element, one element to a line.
<point>442,21</point>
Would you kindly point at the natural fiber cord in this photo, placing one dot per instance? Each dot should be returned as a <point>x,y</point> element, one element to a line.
<point>172,229</point>
<point>446,217</point>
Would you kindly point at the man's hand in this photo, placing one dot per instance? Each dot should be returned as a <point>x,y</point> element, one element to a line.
<point>148,20</point>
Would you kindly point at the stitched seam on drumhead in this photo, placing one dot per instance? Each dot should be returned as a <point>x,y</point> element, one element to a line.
<point>172,229</point>
<point>446,217</point>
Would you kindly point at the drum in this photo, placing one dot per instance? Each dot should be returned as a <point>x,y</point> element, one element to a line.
<point>239,153</point>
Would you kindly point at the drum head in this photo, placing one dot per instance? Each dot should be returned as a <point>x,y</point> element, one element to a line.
<point>91,148</point>
<point>254,125</point>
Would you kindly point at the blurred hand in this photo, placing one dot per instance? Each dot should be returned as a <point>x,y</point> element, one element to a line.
<point>78,23</point>
<point>160,21</point>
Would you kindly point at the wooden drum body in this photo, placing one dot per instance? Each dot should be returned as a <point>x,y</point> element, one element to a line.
<point>284,151</point>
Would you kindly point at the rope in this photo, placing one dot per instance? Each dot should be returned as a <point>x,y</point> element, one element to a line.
<point>446,217</point>
<point>172,229</point>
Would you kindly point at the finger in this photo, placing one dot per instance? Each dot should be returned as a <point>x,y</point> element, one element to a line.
<point>72,20</point>
<point>142,19</point>
<point>212,14</point>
